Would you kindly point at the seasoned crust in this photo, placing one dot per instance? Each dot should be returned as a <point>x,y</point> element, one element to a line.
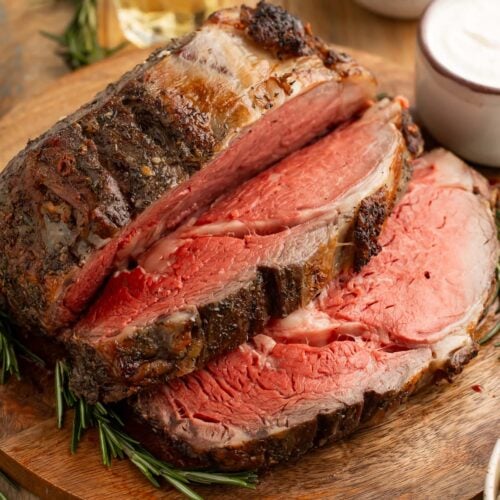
<point>375,209</point>
<point>371,217</point>
<point>275,29</point>
<point>168,348</point>
<point>284,35</point>
<point>412,134</point>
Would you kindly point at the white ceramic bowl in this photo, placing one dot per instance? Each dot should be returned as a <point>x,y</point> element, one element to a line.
<point>462,115</point>
<point>492,483</point>
<point>401,9</point>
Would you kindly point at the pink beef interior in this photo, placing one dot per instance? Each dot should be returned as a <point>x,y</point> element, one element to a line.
<point>370,332</point>
<point>279,385</point>
<point>305,185</point>
<point>420,268</point>
<point>194,263</point>
<point>277,134</point>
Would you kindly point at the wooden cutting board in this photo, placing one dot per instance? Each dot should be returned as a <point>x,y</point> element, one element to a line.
<point>436,446</point>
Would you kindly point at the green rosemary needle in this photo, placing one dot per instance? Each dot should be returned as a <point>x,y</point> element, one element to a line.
<point>10,347</point>
<point>115,443</point>
<point>79,45</point>
<point>490,334</point>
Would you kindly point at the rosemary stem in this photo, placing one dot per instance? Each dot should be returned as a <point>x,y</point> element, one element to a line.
<point>79,44</point>
<point>114,443</point>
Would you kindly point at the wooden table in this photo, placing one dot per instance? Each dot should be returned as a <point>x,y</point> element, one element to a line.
<point>28,62</point>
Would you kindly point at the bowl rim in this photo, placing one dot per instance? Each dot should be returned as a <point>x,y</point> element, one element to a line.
<point>439,67</point>
<point>491,485</point>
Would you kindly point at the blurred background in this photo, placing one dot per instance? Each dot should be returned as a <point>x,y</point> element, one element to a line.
<point>93,29</point>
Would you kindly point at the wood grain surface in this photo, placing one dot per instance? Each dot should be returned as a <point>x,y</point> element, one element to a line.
<point>436,446</point>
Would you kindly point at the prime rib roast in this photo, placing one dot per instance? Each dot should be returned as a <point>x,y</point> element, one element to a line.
<point>194,120</point>
<point>212,235</point>
<point>365,344</point>
<point>261,252</point>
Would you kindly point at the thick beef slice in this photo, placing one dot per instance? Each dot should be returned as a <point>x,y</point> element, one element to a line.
<point>447,202</point>
<point>263,251</point>
<point>268,402</point>
<point>362,347</point>
<point>196,119</point>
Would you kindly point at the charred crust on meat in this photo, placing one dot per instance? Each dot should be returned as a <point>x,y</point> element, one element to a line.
<point>371,216</point>
<point>171,347</point>
<point>276,30</point>
<point>456,362</point>
<point>411,133</point>
<point>84,180</point>
<point>174,124</point>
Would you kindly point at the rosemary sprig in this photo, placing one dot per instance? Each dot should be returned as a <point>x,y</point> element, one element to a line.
<point>8,359</point>
<point>9,348</point>
<point>494,331</point>
<point>79,43</point>
<point>115,443</point>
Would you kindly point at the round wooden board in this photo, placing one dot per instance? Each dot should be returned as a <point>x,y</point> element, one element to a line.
<point>436,446</point>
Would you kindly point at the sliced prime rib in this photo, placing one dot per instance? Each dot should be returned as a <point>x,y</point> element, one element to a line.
<point>194,120</point>
<point>370,341</point>
<point>263,251</point>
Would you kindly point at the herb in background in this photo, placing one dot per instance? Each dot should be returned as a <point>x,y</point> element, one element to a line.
<point>79,43</point>
<point>114,443</point>
<point>9,347</point>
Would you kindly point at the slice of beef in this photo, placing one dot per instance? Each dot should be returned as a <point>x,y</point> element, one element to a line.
<point>196,119</point>
<point>263,251</point>
<point>445,200</point>
<point>315,376</point>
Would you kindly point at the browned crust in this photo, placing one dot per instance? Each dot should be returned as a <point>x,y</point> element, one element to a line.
<point>412,134</point>
<point>276,30</point>
<point>295,441</point>
<point>284,35</point>
<point>372,214</point>
<point>88,176</point>
<point>374,210</point>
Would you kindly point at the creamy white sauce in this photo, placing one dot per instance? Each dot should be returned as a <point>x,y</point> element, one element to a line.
<point>464,36</point>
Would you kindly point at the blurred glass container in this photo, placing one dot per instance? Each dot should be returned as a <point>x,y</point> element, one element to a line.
<point>149,22</point>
